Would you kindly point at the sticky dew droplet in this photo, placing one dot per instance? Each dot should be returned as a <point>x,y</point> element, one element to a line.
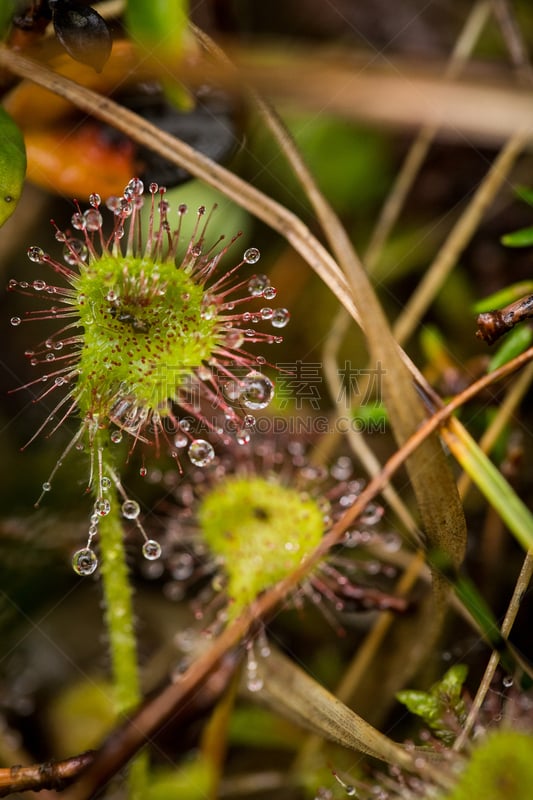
<point>252,255</point>
<point>280,318</point>
<point>151,550</point>
<point>84,561</point>
<point>35,254</point>
<point>243,436</point>
<point>201,452</point>
<point>15,321</point>
<point>130,509</point>
<point>257,390</point>
<point>102,507</point>
<point>269,293</point>
<point>116,437</point>
<point>257,285</point>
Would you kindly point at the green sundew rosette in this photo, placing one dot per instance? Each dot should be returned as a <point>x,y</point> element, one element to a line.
<point>260,531</point>
<point>147,339</point>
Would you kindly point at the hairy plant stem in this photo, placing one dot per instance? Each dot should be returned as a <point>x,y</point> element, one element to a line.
<point>119,620</point>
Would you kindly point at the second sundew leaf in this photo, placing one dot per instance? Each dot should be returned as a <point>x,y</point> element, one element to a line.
<point>12,165</point>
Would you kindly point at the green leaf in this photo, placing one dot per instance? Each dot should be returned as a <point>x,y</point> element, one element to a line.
<point>160,30</point>
<point>192,780</point>
<point>525,194</point>
<point>159,27</point>
<point>12,165</point>
<point>441,704</point>
<point>520,238</point>
<point>503,297</point>
<point>518,340</point>
<point>7,9</point>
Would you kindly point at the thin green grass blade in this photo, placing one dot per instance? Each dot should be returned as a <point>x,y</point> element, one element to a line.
<point>491,483</point>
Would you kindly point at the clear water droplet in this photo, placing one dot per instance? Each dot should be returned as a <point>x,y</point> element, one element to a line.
<point>267,313</point>
<point>84,561</point>
<point>105,483</point>
<point>46,487</point>
<point>130,509</point>
<point>201,452</point>
<point>252,255</point>
<point>39,285</point>
<point>280,318</point>
<point>256,390</point>
<point>151,549</point>
<point>35,254</point>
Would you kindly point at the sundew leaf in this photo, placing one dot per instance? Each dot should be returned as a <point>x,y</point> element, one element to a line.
<point>520,238</point>
<point>499,769</point>
<point>12,165</point>
<point>518,340</point>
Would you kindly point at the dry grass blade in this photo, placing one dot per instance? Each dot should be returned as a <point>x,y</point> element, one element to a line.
<point>404,97</point>
<point>294,694</point>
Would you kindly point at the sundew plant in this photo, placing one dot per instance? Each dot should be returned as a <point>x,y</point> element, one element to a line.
<point>241,557</point>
